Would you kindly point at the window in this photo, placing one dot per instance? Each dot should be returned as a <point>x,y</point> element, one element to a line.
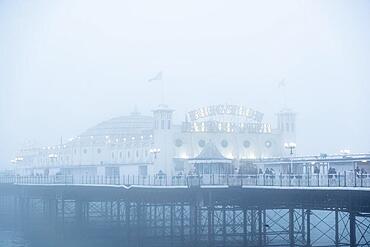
<point>168,124</point>
<point>206,169</point>
<point>128,154</point>
<point>112,171</point>
<point>162,124</point>
<point>137,154</point>
<point>120,155</point>
<point>287,127</point>
<point>143,170</point>
<point>246,144</point>
<point>268,144</point>
<point>178,142</point>
<point>224,143</point>
<point>202,143</point>
<point>112,155</point>
<point>98,150</point>
<point>85,151</point>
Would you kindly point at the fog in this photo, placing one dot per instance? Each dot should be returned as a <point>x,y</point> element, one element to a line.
<point>68,65</point>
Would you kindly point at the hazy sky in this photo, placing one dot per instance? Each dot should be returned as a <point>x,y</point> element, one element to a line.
<point>67,65</point>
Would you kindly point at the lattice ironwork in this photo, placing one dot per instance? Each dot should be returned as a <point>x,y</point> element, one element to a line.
<point>205,222</point>
<point>363,230</point>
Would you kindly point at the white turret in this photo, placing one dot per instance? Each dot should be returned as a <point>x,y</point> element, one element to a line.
<point>162,140</point>
<point>287,127</point>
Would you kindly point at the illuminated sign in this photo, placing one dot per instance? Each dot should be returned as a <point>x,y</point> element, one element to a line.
<point>232,110</point>
<point>213,126</point>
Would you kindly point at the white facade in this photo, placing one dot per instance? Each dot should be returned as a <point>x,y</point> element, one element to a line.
<point>147,145</point>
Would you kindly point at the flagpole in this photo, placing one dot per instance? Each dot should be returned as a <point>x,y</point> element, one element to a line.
<point>162,93</point>
<point>284,97</point>
<point>159,77</point>
<point>282,87</point>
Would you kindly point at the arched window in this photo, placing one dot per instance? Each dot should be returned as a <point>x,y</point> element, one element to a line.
<point>268,144</point>
<point>178,142</point>
<point>246,144</point>
<point>162,124</point>
<point>202,143</point>
<point>224,143</point>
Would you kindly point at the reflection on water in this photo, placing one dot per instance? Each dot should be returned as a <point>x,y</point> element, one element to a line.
<point>12,238</point>
<point>16,238</point>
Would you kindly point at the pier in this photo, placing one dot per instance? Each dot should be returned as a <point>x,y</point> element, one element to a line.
<point>197,211</point>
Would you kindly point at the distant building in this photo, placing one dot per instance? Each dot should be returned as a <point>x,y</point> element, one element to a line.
<point>213,139</point>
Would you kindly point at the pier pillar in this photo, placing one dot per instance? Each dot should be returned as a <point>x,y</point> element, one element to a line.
<point>352,228</point>
<point>194,221</point>
<point>308,220</point>
<point>336,228</point>
<point>210,219</point>
<point>260,237</point>
<point>245,229</point>
<point>291,227</point>
<point>127,221</point>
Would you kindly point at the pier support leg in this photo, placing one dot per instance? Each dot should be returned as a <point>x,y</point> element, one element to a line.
<point>303,225</point>
<point>308,220</point>
<point>194,221</point>
<point>253,226</point>
<point>352,229</point>
<point>336,228</point>
<point>127,222</point>
<point>224,222</point>
<point>245,229</point>
<point>210,226</point>
<point>260,237</point>
<point>172,222</point>
<point>291,227</point>
<point>182,225</point>
<point>118,213</point>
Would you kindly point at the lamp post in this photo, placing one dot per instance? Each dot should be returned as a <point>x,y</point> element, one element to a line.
<point>291,146</point>
<point>344,153</point>
<point>155,152</point>
<point>53,158</point>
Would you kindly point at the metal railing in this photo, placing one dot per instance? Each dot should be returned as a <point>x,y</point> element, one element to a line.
<point>347,179</point>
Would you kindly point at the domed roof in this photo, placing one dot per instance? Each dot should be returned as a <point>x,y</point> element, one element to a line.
<point>124,125</point>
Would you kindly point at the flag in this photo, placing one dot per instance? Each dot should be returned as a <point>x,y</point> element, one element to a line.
<point>158,77</point>
<point>281,83</point>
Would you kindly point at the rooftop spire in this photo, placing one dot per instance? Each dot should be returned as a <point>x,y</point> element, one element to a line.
<point>135,111</point>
